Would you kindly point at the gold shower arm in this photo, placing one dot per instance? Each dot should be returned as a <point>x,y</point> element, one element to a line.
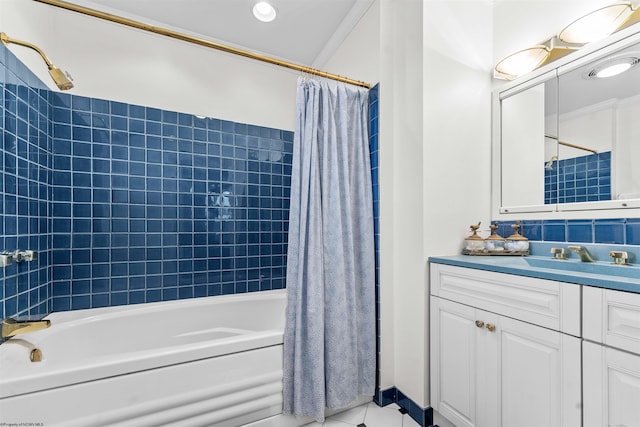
<point>6,40</point>
<point>61,78</point>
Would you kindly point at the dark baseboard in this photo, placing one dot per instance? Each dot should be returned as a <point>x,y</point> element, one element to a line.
<point>423,416</point>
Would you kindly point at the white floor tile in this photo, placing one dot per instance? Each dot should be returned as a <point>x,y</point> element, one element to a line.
<point>389,406</point>
<point>353,416</point>
<point>389,416</point>
<point>407,421</point>
<point>330,422</point>
<point>370,414</point>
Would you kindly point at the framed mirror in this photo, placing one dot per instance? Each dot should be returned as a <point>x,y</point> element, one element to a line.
<point>569,138</point>
<point>599,130</point>
<point>529,147</point>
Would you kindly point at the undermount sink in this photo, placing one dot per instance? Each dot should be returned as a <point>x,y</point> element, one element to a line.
<point>601,268</point>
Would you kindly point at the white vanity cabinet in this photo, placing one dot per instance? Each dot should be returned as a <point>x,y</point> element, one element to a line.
<point>611,358</point>
<point>505,350</point>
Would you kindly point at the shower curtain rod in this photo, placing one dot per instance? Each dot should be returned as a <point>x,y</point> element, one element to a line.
<point>199,41</point>
<point>579,147</point>
<point>568,144</point>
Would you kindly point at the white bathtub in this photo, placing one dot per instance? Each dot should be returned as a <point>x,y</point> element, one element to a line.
<point>202,362</point>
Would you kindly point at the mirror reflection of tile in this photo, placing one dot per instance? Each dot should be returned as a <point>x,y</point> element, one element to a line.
<point>579,179</point>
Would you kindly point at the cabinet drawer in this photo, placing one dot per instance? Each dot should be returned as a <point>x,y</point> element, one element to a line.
<point>547,303</point>
<point>612,318</point>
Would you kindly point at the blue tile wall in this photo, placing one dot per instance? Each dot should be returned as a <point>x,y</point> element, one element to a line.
<point>580,179</point>
<point>130,204</point>
<point>374,151</point>
<point>153,205</point>
<point>615,231</point>
<point>25,189</point>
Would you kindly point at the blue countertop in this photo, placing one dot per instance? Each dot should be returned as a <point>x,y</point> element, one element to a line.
<point>600,274</point>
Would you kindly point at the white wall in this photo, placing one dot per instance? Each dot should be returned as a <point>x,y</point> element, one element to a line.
<point>457,83</point>
<point>358,57</point>
<point>402,263</point>
<point>110,61</point>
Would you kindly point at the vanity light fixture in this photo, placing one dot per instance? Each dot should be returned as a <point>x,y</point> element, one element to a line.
<point>523,61</point>
<point>264,11</point>
<point>526,60</point>
<point>596,25</point>
<point>591,27</point>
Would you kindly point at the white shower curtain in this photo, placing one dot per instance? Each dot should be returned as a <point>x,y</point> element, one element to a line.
<point>329,342</point>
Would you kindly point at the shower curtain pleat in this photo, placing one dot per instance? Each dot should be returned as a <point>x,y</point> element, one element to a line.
<point>329,342</point>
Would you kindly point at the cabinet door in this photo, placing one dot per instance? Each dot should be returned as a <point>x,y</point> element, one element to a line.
<point>493,371</point>
<point>539,378</point>
<point>611,387</point>
<point>453,361</point>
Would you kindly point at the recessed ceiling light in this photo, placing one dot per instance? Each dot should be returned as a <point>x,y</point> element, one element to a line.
<point>263,11</point>
<point>613,66</point>
<point>613,70</point>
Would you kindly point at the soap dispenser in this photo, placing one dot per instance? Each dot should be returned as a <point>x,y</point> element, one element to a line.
<point>495,242</point>
<point>474,243</point>
<point>517,242</point>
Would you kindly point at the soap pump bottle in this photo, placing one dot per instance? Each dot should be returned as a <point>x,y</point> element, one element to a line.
<point>474,243</point>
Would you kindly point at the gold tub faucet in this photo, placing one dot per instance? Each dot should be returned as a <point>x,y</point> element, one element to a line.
<point>11,327</point>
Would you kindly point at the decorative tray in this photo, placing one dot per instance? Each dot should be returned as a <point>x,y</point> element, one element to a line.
<point>486,252</point>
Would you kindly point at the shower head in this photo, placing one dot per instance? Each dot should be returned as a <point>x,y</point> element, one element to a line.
<point>61,78</point>
<point>549,164</point>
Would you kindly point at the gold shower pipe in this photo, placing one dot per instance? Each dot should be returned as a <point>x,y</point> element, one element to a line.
<point>568,144</point>
<point>199,41</point>
<point>5,39</point>
<point>61,78</point>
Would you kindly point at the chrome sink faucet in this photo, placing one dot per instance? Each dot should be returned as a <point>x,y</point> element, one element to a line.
<point>582,252</point>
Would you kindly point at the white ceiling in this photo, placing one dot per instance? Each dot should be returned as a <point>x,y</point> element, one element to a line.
<point>305,32</point>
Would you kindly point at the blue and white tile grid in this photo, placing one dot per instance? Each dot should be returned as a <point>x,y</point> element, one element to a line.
<point>129,204</point>
<point>579,179</point>
<point>154,205</point>
<point>25,188</point>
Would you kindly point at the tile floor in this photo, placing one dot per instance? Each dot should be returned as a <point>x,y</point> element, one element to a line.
<point>371,415</point>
